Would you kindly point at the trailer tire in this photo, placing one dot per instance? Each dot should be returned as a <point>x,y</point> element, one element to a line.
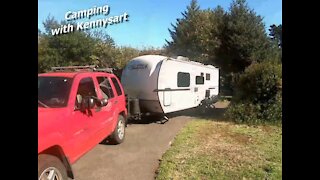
<point>118,135</point>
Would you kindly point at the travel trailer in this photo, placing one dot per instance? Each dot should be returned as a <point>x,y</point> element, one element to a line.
<point>157,84</point>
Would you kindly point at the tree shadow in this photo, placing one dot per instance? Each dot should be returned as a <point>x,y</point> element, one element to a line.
<point>216,114</point>
<point>158,119</point>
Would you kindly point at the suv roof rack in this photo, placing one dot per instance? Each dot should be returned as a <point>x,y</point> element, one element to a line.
<point>90,68</point>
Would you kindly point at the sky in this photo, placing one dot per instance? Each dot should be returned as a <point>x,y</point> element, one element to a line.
<point>149,21</point>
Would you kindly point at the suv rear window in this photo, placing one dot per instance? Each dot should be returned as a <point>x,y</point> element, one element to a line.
<point>117,86</point>
<point>105,87</point>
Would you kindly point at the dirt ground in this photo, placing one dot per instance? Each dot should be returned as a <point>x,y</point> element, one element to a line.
<point>138,156</point>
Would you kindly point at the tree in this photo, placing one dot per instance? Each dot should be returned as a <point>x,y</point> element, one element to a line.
<point>153,51</point>
<point>47,57</point>
<point>125,54</point>
<point>49,24</point>
<point>276,34</point>
<point>74,48</point>
<point>243,39</point>
<point>181,35</point>
<point>93,47</point>
<point>104,49</point>
<point>192,35</point>
<point>101,36</point>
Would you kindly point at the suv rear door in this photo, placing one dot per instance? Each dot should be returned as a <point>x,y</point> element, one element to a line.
<point>119,93</point>
<point>105,116</point>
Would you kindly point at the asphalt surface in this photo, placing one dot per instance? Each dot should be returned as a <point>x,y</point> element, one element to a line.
<point>136,158</point>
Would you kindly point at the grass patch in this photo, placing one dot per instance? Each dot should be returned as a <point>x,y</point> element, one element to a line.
<point>223,150</point>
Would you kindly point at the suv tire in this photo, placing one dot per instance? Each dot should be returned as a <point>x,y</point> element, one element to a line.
<point>118,134</point>
<point>49,165</point>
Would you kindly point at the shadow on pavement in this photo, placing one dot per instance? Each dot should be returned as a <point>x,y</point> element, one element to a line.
<point>148,120</point>
<point>211,114</point>
<point>216,114</point>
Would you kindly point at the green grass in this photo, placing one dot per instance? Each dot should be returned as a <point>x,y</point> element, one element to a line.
<point>223,150</point>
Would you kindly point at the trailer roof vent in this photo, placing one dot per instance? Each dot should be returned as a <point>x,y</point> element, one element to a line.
<point>182,58</point>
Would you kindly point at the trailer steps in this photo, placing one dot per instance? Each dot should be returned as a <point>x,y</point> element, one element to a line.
<point>163,120</point>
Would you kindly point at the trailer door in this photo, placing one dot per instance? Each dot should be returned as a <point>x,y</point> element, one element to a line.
<point>167,97</point>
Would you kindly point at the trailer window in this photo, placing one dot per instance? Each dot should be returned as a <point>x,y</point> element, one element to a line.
<point>207,76</point>
<point>183,79</point>
<point>117,86</point>
<point>199,80</point>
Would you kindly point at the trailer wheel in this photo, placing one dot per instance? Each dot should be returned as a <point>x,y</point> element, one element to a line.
<point>118,134</point>
<point>50,167</point>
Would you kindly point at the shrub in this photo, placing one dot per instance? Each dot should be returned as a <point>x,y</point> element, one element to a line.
<point>243,112</point>
<point>260,83</point>
<point>258,96</point>
<point>272,112</point>
<point>248,112</point>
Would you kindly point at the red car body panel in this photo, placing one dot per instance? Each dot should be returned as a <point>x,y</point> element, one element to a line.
<point>76,132</point>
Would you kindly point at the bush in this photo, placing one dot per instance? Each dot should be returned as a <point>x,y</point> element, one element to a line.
<point>247,112</point>
<point>243,112</point>
<point>260,83</point>
<point>272,112</point>
<point>258,96</point>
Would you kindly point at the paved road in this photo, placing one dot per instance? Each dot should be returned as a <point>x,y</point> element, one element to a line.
<point>136,158</point>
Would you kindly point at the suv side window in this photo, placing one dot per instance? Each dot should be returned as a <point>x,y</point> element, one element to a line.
<point>105,87</point>
<point>117,86</point>
<point>85,89</point>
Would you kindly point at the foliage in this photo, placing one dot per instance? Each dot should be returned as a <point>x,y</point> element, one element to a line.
<point>245,112</point>
<point>79,48</point>
<point>259,83</point>
<point>124,54</point>
<point>276,34</point>
<point>193,35</point>
<point>231,39</point>
<point>248,112</point>
<point>272,111</point>
<point>258,94</point>
<point>154,51</point>
<point>243,38</point>
<point>63,50</point>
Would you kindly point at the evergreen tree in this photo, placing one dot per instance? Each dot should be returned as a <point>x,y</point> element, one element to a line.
<point>243,39</point>
<point>192,34</point>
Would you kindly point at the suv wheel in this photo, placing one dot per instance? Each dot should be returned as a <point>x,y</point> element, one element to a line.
<point>50,167</point>
<point>118,134</point>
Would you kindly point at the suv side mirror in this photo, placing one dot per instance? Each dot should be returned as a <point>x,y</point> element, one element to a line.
<point>102,102</point>
<point>87,103</point>
<point>91,103</point>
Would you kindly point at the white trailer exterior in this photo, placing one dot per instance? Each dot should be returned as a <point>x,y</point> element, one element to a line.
<point>163,84</point>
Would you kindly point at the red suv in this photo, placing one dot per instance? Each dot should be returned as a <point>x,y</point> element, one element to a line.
<point>76,111</point>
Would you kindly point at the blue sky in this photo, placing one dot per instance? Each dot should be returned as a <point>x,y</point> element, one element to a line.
<point>148,20</point>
